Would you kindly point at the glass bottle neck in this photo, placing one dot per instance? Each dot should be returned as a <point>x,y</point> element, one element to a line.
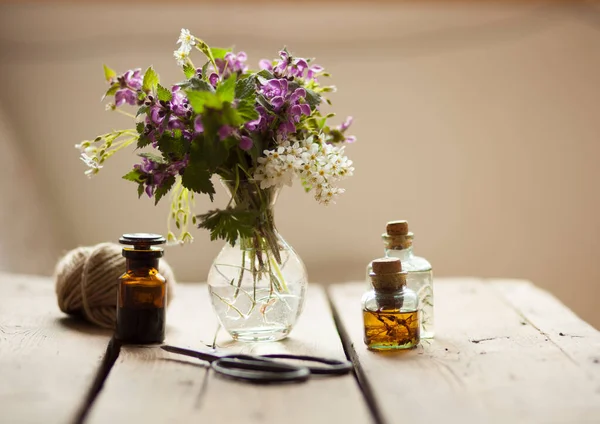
<point>402,254</point>
<point>141,266</point>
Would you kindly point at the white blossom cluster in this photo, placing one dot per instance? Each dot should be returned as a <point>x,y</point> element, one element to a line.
<point>187,41</point>
<point>318,165</point>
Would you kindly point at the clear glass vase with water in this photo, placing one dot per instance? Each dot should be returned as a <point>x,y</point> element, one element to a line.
<point>258,285</point>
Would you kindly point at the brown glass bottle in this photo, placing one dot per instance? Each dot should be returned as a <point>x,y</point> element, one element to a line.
<point>142,292</point>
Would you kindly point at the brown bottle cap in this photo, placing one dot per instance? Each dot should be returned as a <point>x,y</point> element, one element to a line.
<point>387,266</point>
<point>397,228</point>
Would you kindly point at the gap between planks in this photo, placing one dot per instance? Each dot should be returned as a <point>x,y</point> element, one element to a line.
<point>359,373</point>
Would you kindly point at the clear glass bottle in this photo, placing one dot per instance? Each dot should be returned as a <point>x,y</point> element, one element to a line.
<point>399,244</point>
<point>142,291</point>
<point>390,309</point>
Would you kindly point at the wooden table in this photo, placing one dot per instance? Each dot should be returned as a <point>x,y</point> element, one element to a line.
<point>506,352</point>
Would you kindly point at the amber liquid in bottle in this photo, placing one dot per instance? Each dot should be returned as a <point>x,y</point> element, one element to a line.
<point>391,329</point>
<point>141,303</point>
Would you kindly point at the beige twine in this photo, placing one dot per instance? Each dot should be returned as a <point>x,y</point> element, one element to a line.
<point>86,282</point>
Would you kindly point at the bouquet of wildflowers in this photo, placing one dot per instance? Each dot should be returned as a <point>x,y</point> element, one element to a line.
<point>255,129</point>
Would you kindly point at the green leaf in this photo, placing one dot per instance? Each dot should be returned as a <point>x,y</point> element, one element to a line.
<point>312,98</point>
<point>214,152</point>
<point>203,47</point>
<point>266,74</point>
<point>196,176</point>
<point>172,145</point>
<point>257,147</point>
<point>228,224</point>
<point>112,90</point>
<point>189,70</point>
<point>203,99</point>
<point>109,73</point>
<point>163,188</point>
<point>140,190</point>
<point>142,110</point>
<point>261,100</point>
<point>219,53</point>
<point>143,141</point>
<point>205,70</point>
<point>163,93</point>
<point>139,127</point>
<point>246,88</point>
<point>152,157</point>
<point>150,80</point>
<point>134,175</point>
<point>197,84</point>
<point>226,89</point>
<point>231,116</point>
<point>247,110</point>
<point>230,142</point>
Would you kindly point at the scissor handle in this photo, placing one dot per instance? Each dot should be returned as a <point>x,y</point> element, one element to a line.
<point>251,368</point>
<point>334,366</point>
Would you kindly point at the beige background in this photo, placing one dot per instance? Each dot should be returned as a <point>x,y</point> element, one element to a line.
<point>478,124</point>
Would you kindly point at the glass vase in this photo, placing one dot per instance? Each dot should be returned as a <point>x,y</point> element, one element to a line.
<point>258,285</point>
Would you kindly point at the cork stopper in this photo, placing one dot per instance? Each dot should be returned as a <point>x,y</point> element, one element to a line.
<point>397,228</point>
<point>387,266</point>
<point>387,274</point>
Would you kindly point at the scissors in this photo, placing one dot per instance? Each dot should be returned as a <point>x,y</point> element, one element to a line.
<point>265,368</point>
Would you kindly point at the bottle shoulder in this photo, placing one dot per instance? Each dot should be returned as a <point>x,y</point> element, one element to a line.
<point>416,264</point>
<point>401,299</point>
<point>152,277</point>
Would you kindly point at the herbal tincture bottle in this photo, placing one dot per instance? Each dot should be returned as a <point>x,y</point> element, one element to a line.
<point>390,309</point>
<point>142,291</point>
<point>399,244</point>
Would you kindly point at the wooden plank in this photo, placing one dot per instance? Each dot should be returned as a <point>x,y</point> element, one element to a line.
<point>575,337</point>
<point>149,385</point>
<point>48,361</point>
<point>486,365</point>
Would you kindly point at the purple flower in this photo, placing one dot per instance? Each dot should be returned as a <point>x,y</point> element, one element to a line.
<point>175,123</point>
<point>281,66</point>
<point>296,111</point>
<point>213,79</point>
<point>262,122</point>
<point>226,131</point>
<point>313,71</point>
<point>289,106</point>
<point>285,128</point>
<point>156,115</point>
<point>343,127</point>
<point>246,143</point>
<point>288,67</point>
<point>265,64</point>
<point>125,95</point>
<point>147,166</point>
<point>232,64</point>
<point>275,88</point>
<point>298,67</point>
<point>179,103</point>
<point>132,79</point>
<point>155,174</point>
<point>198,125</point>
<point>346,124</point>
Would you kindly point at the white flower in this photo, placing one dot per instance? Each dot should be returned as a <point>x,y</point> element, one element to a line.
<point>187,40</point>
<point>181,56</point>
<point>317,163</point>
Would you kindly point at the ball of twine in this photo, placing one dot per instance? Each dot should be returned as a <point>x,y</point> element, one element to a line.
<point>87,278</point>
